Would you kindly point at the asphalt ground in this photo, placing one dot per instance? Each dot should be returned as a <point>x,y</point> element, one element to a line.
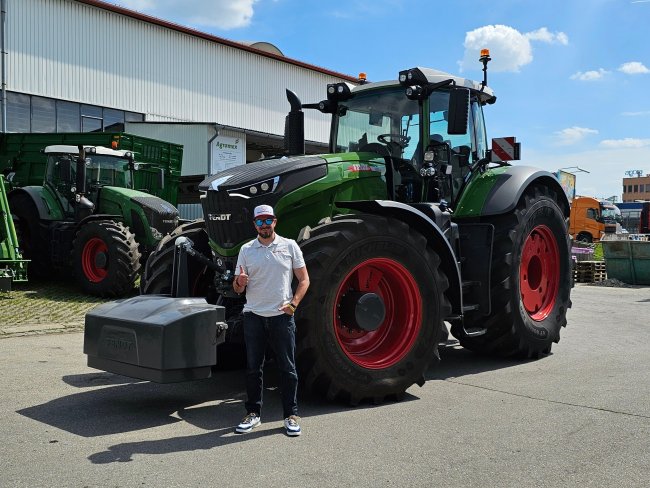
<point>578,417</point>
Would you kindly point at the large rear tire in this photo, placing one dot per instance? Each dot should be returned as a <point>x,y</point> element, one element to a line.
<point>105,259</point>
<point>360,261</point>
<point>157,276</point>
<point>531,281</point>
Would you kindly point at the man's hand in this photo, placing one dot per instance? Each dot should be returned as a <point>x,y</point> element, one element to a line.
<point>288,308</point>
<point>241,280</point>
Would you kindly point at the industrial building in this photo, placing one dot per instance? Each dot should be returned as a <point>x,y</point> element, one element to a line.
<point>86,65</point>
<point>636,188</point>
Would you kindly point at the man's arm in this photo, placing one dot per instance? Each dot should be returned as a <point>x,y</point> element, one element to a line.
<point>303,284</point>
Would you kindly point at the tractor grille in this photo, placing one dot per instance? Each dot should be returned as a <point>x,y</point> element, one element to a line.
<point>229,220</point>
<point>161,215</point>
<point>228,202</point>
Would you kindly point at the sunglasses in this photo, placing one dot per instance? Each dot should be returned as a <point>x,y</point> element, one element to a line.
<point>259,222</point>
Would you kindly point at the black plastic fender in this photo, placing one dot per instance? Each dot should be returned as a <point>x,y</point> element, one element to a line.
<point>510,186</point>
<point>34,192</point>
<point>428,228</point>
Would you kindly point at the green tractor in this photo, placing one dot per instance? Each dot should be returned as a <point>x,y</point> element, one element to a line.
<point>410,223</point>
<point>88,218</point>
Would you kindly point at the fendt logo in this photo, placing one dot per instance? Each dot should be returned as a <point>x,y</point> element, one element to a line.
<point>219,216</point>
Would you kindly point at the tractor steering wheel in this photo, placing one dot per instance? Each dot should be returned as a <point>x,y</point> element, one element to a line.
<point>399,139</point>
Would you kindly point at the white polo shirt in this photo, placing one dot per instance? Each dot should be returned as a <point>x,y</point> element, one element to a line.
<point>270,272</point>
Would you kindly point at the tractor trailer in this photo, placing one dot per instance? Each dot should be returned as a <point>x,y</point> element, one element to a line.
<point>409,223</point>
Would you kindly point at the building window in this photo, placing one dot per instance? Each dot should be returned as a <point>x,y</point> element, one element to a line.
<point>629,188</point>
<point>113,120</point>
<point>43,114</point>
<point>18,112</point>
<point>67,117</point>
<point>647,188</point>
<point>636,188</point>
<point>30,113</point>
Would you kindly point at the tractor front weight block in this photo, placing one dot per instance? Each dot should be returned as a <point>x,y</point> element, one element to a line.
<point>155,338</point>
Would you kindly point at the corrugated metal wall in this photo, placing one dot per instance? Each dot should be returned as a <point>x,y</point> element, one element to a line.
<point>67,50</point>
<point>193,137</point>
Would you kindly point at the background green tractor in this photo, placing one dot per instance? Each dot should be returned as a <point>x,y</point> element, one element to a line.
<point>88,217</point>
<point>410,222</point>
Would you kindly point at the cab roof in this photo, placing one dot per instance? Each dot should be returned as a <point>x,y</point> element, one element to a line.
<point>433,76</point>
<point>63,149</point>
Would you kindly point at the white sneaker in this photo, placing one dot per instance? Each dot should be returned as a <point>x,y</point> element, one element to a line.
<point>291,425</point>
<point>248,423</point>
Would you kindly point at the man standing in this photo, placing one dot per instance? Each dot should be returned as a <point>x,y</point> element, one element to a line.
<point>265,269</point>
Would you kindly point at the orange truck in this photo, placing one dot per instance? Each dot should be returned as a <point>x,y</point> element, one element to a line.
<point>591,218</point>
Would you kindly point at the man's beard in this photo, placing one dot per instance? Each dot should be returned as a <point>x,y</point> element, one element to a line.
<point>265,233</point>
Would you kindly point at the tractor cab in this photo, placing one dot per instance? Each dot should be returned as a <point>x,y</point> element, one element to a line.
<point>428,127</point>
<point>100,167</point>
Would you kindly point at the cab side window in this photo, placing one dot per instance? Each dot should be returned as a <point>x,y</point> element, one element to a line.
<point>592,214</point>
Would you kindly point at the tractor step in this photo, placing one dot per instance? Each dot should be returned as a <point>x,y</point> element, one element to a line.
<point>155,338</point>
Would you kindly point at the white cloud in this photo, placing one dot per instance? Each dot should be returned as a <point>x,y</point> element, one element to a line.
<point>544,35</point>
<point>633,68</point>
<point>636,114</point>
<point>590,75</point>
<point>572,135</point>
<point>222,14</point>
<point>627,142</point>
<point>509,48</point>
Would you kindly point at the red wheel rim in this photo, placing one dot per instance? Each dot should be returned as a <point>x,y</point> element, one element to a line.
<point>396,335</point>
<point>539,273</point>
<point>92,249</point>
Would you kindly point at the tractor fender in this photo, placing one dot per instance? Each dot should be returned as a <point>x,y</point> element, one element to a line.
<point>96,217</point>
<point>36,194</point>
<point>429,229</point>
<point>499,191</point>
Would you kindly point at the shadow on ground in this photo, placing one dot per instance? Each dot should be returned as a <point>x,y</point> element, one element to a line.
<point>112,404</point>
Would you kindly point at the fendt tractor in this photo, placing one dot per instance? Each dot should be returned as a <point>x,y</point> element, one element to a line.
<point>409,225</point>
<point>87,217</point>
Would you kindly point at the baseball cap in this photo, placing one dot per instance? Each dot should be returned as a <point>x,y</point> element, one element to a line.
<point>263,210</point>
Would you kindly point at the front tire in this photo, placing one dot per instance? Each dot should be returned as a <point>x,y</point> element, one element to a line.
<point>360,261</point>
<point>105,259</point>
<point>157,276</point>
<point>531,281</point>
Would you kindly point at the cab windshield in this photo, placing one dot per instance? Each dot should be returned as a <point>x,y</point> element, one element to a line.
<point>101,170</point>
<point>610,214</point>
<point>379,121</point>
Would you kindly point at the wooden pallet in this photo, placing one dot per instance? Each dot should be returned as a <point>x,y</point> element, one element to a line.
<point>589,271</point>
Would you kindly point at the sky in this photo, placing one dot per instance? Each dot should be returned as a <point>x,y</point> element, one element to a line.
<point>572,77</point>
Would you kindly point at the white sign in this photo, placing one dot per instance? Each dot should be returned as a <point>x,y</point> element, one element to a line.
<point>227,152</point>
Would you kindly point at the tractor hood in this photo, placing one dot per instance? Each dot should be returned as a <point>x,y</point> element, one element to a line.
<point>150,217</point>
<point>248,180</point>
<point>302,189</point>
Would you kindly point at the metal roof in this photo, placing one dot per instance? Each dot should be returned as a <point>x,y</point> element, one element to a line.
<point>220,40</point>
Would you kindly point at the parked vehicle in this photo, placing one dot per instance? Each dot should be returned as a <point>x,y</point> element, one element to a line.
<point>87,217</point>
<point>635,217</point>
<point>409,223</point>
<point>591,219</point>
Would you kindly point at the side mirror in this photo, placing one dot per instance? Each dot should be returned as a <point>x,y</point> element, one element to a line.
<point>458,115</point>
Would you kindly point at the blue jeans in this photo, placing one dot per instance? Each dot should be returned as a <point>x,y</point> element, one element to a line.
<point>280,333</point>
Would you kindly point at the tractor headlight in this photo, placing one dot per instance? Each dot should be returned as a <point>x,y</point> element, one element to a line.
<point>257,189</point>
<point>338,92</point>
